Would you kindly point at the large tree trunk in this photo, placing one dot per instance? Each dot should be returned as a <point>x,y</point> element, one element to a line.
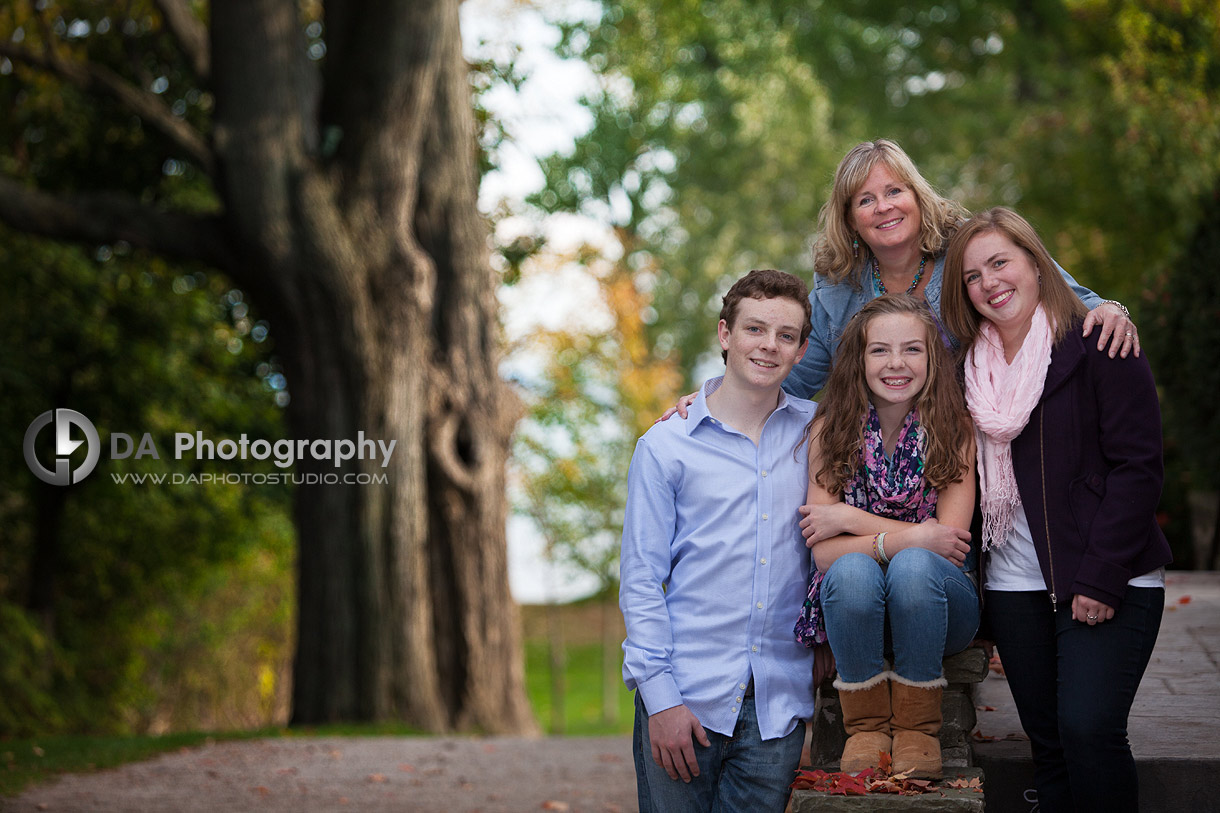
<point>384,299</point>
<point>348,213</point>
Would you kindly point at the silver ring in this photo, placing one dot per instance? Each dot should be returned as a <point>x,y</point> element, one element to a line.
<point>1092,617</point>
<point>1128,334</point>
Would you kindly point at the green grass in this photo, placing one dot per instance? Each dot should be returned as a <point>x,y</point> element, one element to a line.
<point>583,687</point>
<point>27,762</point>
<point>30,761</point>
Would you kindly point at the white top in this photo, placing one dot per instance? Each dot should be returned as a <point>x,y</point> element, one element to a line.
<point>1013,566</point>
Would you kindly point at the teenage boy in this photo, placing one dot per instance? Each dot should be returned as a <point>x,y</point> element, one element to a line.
<point>714,570</point>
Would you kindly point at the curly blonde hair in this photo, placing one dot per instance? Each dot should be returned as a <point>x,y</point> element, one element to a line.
<point>839,424</point>
<point>833,255</point>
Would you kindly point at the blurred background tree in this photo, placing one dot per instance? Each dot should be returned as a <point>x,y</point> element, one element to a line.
<point>717,127</point>
<point>594,396</point>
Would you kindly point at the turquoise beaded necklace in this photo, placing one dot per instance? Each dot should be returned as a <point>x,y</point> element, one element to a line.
<point>914,283</point>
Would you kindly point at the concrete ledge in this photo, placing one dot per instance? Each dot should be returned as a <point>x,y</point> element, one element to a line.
<point>1180,785</point>
<point>1174,727</point>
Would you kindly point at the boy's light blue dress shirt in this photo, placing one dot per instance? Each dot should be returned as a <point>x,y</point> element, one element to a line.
<point>714,568</point>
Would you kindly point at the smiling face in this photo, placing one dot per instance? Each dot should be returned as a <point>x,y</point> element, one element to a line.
<point>895,359</point>
<point>764,342</point>
<point>884,210</point>
<point>1001,280</point>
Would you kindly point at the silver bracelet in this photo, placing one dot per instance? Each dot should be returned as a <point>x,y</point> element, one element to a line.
<point>1120,306</point>
<point>885,560</point>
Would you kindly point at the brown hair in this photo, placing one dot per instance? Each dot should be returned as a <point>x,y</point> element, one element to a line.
<point>1063,307</point>
<point>839,425</point>
<point>767,284</point>
<point>833,254</point>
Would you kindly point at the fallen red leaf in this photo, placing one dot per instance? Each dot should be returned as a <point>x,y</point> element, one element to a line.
<point>867,781</point>
<point>554,805</point>
<point>1183,599</point>
<point>377,777</point>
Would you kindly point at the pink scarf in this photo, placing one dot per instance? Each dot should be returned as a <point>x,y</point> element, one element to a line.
<point>1001,397</point>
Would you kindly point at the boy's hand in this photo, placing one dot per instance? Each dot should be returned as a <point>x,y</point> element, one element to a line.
<point>670,732</point>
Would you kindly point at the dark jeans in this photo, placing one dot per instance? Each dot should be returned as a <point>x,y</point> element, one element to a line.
<point>1073,685</point>
<point>739,774</point>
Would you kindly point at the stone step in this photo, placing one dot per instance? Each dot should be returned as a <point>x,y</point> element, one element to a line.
<point>944,800</point>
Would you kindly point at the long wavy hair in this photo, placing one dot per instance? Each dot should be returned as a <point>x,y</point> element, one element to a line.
<point>839,424</point>
<point>1063,307</point>
<point>833,255</point>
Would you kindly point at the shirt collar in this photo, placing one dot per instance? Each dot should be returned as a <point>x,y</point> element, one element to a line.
<point>699,413</point>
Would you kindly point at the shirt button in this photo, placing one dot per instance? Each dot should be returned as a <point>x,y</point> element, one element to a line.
<point>734,711</point>
<point>739,700</point>
<point>759,605</point>
<point>765,516</point>
<point>763,561</point>
<point>764,472</point>
<point>741,685</point>
<point>753,649</point>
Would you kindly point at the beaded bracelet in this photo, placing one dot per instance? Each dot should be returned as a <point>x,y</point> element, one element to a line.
<point>1118,305</point>
<point>879,548</point>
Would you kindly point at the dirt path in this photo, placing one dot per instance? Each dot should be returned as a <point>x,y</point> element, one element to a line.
<point>492,775</point>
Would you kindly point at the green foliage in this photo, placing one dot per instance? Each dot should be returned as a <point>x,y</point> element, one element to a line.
<point>30,665</point>
<point>596,394</point>
<point>720,123</point>
<point>113,573</point>
<point>1184,332</point>
<point>153,607</point>
<point>709,144</point>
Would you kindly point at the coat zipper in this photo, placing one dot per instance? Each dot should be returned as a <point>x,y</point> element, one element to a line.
<point>1050,557</point>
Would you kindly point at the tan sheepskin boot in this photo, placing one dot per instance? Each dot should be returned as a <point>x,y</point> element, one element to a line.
<point>866,719</point>
<point>916,728</point>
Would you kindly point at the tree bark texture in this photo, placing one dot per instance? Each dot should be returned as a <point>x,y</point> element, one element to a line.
<point>370,257</point>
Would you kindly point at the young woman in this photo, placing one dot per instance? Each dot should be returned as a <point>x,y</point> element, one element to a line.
<point>891,493</point>
<point>1070,477</point>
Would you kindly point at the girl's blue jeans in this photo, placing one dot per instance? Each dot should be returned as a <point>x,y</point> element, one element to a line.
<point>916,611</point>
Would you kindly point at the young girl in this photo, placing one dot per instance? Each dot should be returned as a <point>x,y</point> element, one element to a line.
<point>891,494</point>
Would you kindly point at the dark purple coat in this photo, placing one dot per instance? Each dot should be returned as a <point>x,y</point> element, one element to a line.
<point>1097,432</point>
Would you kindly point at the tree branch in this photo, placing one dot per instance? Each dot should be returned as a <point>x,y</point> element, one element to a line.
<point>96,78</point>
<point>191,33</point>
<point>110,217</point>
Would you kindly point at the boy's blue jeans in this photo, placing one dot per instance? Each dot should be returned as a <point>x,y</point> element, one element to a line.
<point>920,609</point>
<point>742,773</point>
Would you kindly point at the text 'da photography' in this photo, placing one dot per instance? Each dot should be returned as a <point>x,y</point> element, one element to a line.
<point>63,447</point>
